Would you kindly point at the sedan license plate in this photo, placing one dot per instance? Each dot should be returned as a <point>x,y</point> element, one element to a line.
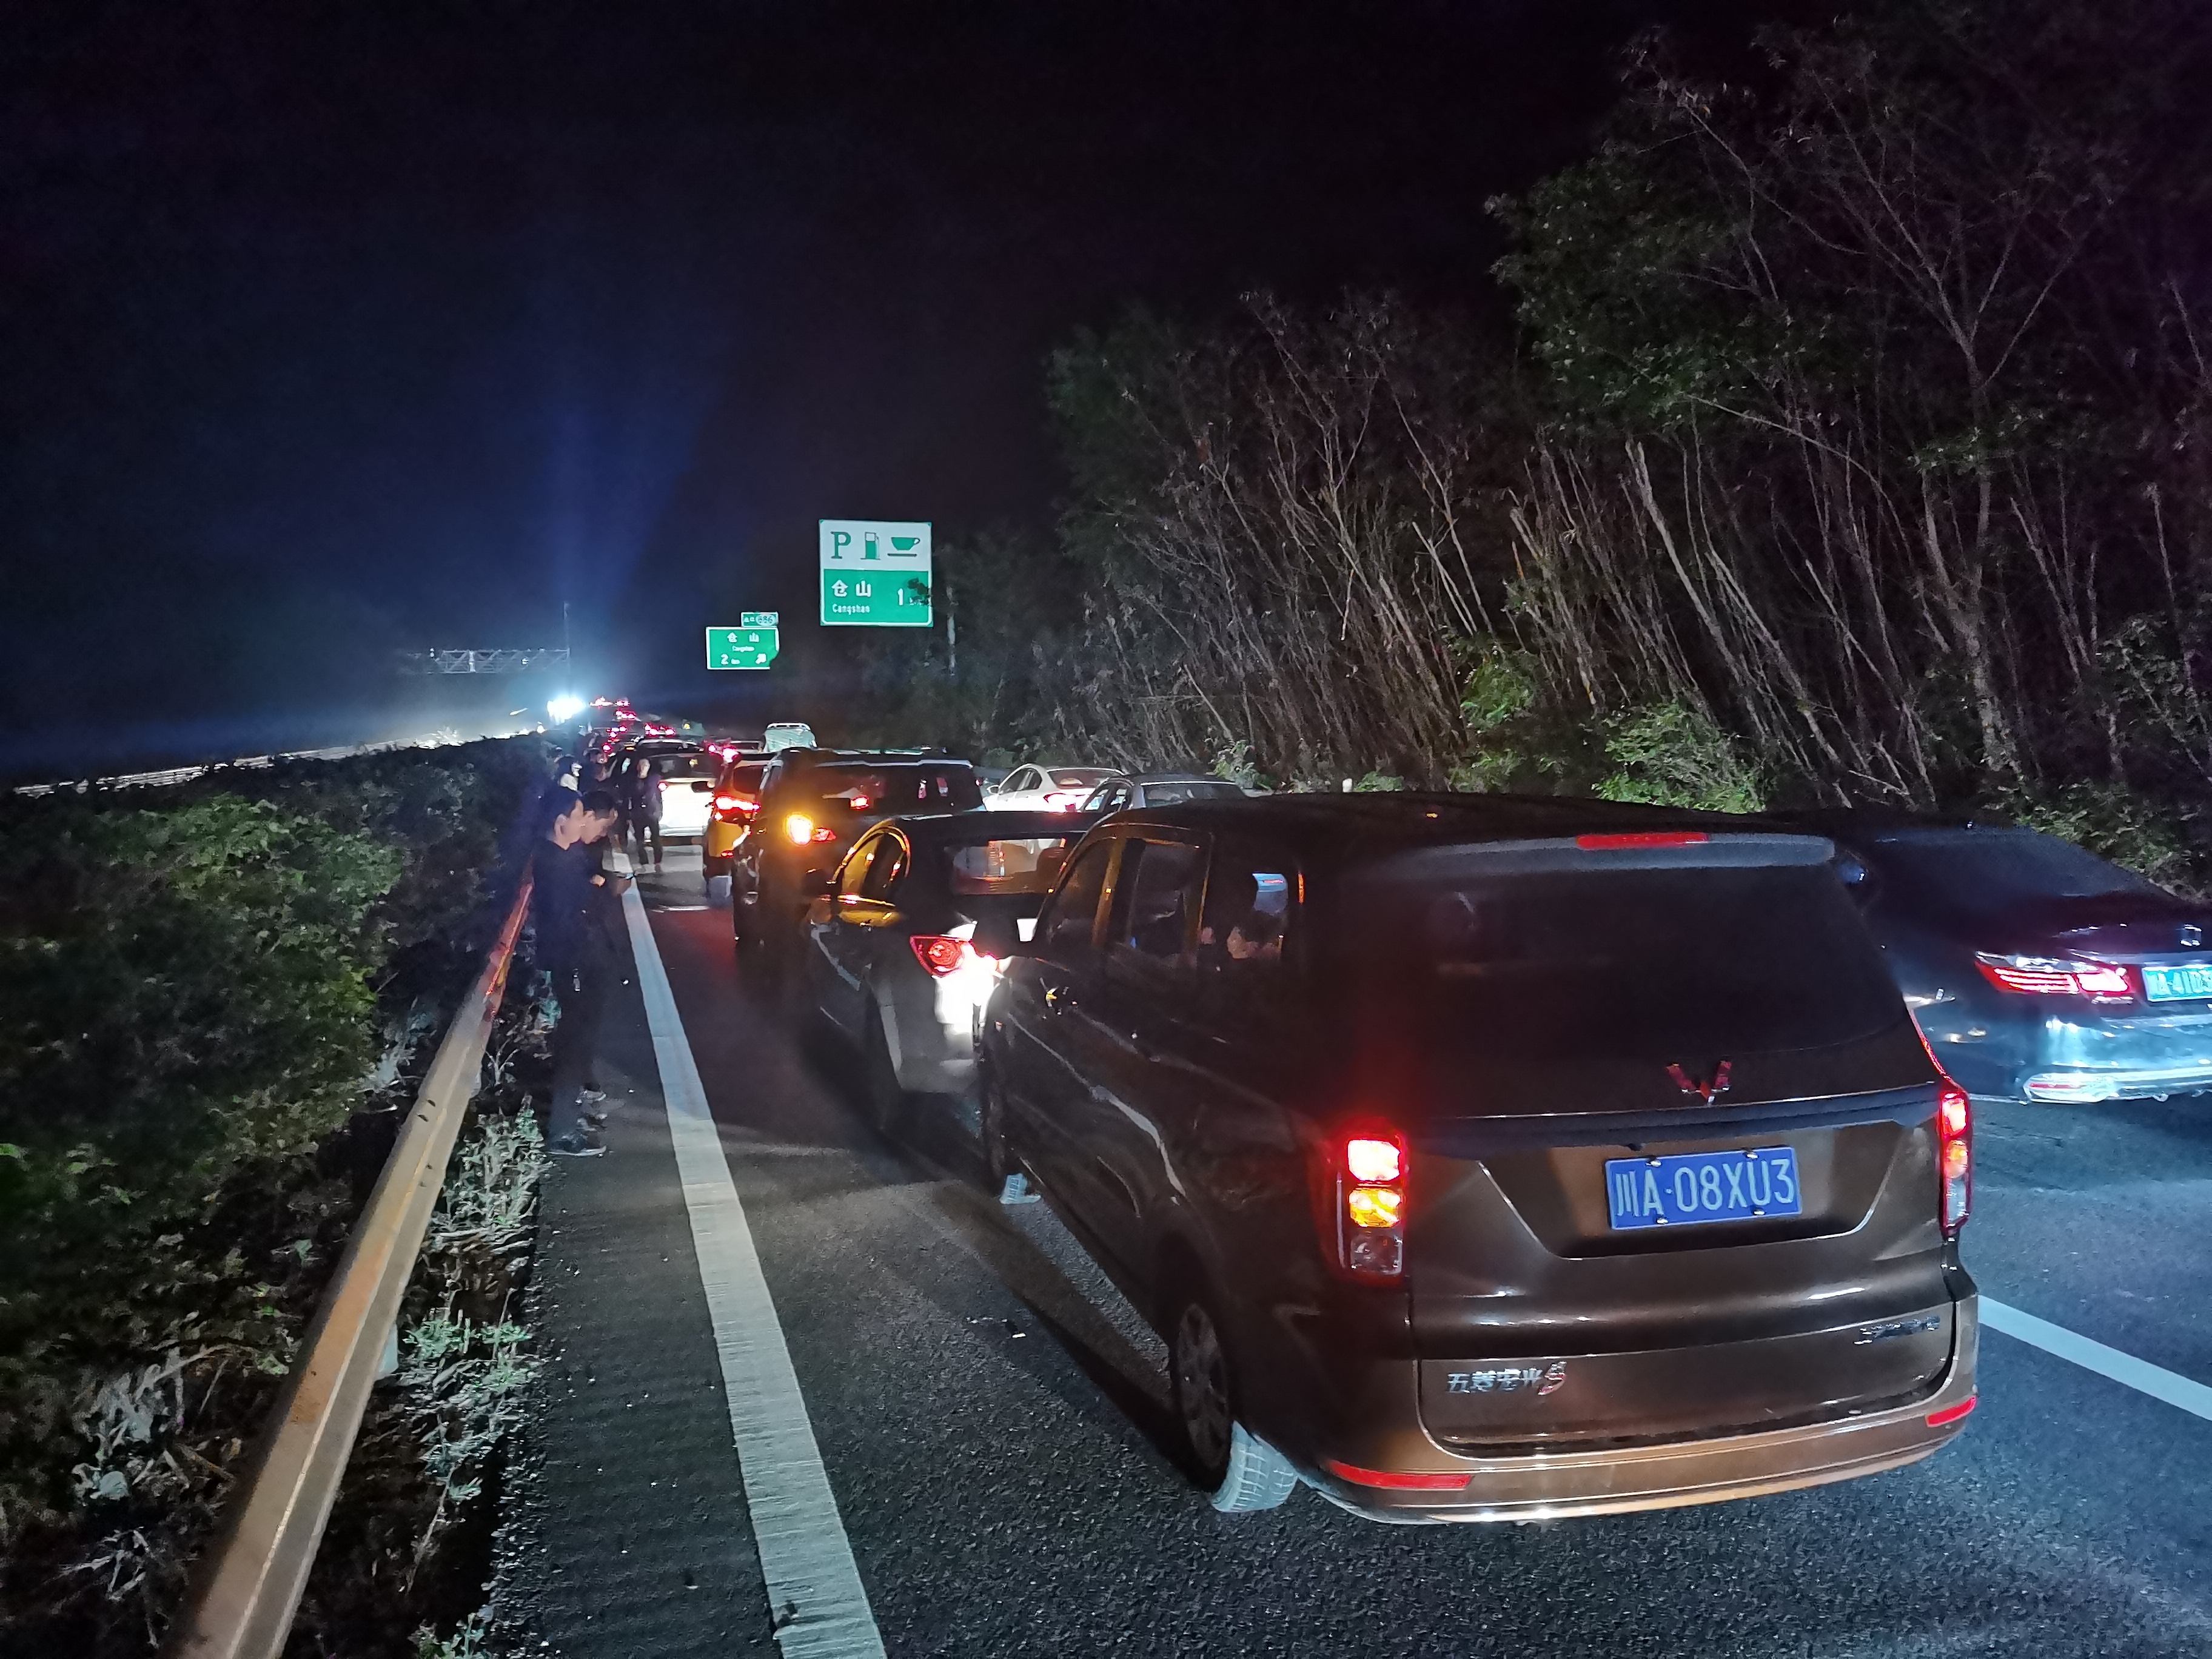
<point>1688,1186</point>
<point>2189,982</point>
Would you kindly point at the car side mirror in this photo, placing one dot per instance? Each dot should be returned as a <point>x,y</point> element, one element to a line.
<point>999,935</point>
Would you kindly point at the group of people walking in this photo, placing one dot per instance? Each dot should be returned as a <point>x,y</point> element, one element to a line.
<point>576,909</point>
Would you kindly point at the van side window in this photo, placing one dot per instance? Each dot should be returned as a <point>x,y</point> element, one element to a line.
<point>1248,923</point>
<point>1066,929</point>
<point>1155,903</point>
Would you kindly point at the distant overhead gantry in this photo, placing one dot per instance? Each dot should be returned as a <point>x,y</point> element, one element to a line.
<point>437,661</point>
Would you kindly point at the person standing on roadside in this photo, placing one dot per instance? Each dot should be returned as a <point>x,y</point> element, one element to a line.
<point>642,808</point>
<point>573,946</point>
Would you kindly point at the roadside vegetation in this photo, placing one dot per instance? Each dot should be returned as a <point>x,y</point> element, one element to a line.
<point>1849,443</point>
<point>213,1001</point>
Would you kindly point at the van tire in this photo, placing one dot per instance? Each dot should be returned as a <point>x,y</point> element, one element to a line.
<point>1240,1472</point>
<point>1259,1477</point>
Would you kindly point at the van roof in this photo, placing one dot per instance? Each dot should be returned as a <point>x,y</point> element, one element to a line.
<point>1350,828</point>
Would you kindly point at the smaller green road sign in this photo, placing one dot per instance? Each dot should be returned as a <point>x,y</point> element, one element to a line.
<point>758,619</point>
<point>741,648</point>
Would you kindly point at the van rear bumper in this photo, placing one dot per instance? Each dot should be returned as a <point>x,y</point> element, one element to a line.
<point>1542,1485</point>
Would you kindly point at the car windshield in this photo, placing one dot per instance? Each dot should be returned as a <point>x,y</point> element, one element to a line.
<point>883,791</point>
<point>1076,777</point>
<point>1172,790</point>
<point>1983,872</point>
<point>1659,964</point>
<point>1029,865</point>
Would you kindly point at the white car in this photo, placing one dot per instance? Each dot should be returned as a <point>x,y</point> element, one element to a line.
<point>1046,788</point>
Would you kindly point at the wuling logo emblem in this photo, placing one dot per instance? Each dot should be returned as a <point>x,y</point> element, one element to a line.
<point>1716,1084</point>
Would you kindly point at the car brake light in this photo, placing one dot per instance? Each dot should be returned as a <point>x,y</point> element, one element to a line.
<point>1367,1197</point>
<point>2051,976</point>
<point>1643,838</point>
<point>860,803</point>
<point>1373,1159</point>
<point>803,829</point>
<point>1952,1413</point>
<point>1954,1148</point>
<point>1383,1478</point>
<point>1065,800</point>
<point>941,953</point>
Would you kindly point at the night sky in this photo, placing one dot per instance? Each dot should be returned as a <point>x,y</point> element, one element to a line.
<point>329,330</point>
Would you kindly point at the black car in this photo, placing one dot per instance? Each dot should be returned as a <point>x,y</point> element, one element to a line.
<point>1482,1158</point>
<point>813,803</point>
<point>2039,971</point>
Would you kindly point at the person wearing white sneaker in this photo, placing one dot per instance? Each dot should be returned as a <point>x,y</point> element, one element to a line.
<point>572,947</point>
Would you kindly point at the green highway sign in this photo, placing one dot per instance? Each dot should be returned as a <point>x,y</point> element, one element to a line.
<point>741,648</point>
<point>875,574</point>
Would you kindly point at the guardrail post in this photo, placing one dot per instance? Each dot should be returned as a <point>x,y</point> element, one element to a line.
<point>250,1582</point>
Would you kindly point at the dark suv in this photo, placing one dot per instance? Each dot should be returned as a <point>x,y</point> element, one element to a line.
<point>813,803</point>
<point>1488,1158</point>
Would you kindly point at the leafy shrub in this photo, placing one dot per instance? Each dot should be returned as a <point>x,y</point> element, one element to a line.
<point>1670,755</point>
<point>2116,823</point>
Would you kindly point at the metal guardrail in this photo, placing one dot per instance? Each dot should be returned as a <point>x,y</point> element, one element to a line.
<point>250,1584</point>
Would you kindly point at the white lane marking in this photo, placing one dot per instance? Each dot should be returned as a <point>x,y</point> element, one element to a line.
<point>2139,1375</point>
<point>805,1555</point>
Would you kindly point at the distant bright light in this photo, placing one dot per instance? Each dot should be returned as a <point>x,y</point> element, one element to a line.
<point>564,709</point>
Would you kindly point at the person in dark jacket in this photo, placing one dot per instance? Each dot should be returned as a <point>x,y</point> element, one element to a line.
<point>573,946</point>
<point>641,808</point>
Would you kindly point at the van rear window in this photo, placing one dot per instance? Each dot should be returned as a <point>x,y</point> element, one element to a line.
<point>1641,964</point>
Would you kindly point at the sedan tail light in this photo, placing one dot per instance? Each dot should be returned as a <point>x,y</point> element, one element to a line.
<point>1065,800</point>
<point>2056,976</point>
<point>941,953</point>
<point>1365,1194</point>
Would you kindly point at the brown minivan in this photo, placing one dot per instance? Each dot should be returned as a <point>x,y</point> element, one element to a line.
<point>1494,1159</point>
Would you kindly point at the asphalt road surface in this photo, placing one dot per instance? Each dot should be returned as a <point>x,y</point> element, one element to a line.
<point>991,1418</point>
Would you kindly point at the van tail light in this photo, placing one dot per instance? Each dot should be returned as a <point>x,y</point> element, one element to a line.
<point>1954,1147</point>
<point>1954,1121</point>
<point>2055,977</point>
<point>1365,1195</point>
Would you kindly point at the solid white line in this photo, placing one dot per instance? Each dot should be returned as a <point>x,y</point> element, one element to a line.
<point>814,1590</point>
<point>2139,1375</point>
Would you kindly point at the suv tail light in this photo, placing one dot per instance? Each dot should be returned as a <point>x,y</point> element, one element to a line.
<point>803,829</point>
<point>728,809</point>
<point>2054,976</point>
<point>1366,1194</point>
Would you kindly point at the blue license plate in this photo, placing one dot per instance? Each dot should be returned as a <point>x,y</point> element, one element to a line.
<point>1689,1187</point>
<point>2189,982</point>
